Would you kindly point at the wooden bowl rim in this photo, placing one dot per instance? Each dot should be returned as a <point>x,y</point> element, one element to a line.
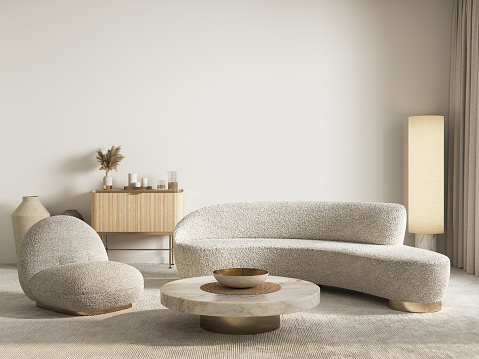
<point>240,272</point>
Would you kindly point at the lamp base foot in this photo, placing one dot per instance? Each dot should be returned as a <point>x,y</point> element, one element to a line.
<point>425,241</point>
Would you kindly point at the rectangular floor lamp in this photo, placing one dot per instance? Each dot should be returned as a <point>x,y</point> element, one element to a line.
<point>425,179</point>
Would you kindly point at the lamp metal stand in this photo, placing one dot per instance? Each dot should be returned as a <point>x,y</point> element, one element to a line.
<point>425,241</point>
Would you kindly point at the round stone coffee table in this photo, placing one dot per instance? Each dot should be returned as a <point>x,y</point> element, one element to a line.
<point>239,314</point>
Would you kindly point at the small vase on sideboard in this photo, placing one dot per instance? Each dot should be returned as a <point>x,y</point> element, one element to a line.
<point>107,182</point>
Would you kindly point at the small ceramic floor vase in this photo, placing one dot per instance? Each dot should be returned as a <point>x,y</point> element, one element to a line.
<point>29,212</point>
<point>73,213</point>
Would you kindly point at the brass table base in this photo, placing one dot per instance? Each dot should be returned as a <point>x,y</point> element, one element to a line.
<point>239,325</point>
<point>415,307</point>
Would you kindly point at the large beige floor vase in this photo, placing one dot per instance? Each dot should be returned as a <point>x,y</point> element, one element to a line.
<point>29,212</point>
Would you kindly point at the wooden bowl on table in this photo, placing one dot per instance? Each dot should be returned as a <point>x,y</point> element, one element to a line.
<point>240,277</point>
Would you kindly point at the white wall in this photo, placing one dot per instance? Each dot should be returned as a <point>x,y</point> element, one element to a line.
<point>248,100</point>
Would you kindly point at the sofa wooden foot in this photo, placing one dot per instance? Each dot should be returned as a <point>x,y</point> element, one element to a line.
<point>95,312</point>
<point>415,307</point>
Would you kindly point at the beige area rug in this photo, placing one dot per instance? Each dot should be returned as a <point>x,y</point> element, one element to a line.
<point>345,325</point>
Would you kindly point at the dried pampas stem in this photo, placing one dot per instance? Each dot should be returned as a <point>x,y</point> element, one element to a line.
<point>110,160</point>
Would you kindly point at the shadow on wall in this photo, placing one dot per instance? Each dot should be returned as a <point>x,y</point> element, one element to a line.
<point>74,168</point>
<point>7,229</point>
<point>392,161</point>
<point>79,164</point>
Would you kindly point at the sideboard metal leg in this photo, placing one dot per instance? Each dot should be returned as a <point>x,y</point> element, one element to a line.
<point>172,251</point>
<point>170,248</point>
<point>106,243</point>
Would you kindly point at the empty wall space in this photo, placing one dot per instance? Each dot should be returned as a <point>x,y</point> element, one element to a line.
<point>248,100</point>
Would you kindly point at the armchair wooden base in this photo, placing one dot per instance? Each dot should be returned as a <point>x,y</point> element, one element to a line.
<point>96,312</point>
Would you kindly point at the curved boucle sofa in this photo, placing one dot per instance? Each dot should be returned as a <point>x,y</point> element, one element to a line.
<point>357,246</point>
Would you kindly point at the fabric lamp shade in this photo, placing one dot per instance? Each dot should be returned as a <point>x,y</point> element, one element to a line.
<point>426,174</point>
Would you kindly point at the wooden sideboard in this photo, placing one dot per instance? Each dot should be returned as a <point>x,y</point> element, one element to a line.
<point>137,211</point>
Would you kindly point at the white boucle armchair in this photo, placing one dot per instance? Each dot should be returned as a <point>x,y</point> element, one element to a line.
<point>351,245</point>
<point>63,267</point>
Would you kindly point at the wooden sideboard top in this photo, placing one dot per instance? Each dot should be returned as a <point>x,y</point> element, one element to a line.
<point>137,191</point>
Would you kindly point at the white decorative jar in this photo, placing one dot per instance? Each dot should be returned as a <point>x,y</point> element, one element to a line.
<point>132,179</point>
<point>29,212</point>
<point>107,182</point>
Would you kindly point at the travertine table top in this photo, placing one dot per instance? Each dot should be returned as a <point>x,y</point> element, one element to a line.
<point>185,295</point>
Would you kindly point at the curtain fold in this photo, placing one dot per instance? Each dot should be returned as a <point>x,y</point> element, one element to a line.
<point>462,231</point>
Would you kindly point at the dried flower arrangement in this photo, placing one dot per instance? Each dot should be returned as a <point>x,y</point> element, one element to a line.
<point>110,160</point>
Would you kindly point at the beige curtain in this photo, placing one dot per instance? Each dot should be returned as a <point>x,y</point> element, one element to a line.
<point>463,163</point>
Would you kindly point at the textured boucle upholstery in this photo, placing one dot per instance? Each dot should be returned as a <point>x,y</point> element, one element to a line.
<point>376,223</point>
<point>88,286</point>
<point>290,239</point>
<point>62,263</point>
